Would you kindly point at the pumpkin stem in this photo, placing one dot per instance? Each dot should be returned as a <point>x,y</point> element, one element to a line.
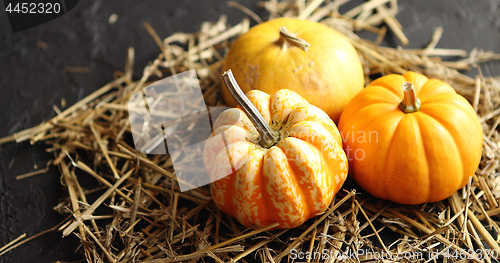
<point>268,137</point>
<point>410,101</point>
<point>289,38</point>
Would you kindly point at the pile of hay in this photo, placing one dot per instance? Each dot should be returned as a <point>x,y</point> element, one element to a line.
<point>141,215</point>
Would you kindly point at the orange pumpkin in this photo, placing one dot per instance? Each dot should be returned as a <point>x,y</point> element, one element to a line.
<point>410,139</point>
<point>288,179</point>
<point>316,61</point>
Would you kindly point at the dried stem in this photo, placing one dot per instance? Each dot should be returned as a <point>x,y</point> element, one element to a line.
<point>289,39</point>
<point>410,101</point>
<point>268,137</point>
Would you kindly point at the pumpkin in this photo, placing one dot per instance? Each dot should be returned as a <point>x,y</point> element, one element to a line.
<point>275,159</point>
<point>411,139</point>
<point>315,61</point>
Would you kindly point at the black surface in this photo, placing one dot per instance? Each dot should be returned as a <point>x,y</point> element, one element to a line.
<point>32,79</point>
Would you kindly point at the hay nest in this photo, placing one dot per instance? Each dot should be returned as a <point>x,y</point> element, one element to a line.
<point>141,215</point>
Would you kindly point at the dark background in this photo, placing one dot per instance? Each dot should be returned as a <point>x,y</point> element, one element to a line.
<point>33,79</point>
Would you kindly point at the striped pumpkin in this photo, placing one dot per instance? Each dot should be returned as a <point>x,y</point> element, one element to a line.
<point>289,182</point>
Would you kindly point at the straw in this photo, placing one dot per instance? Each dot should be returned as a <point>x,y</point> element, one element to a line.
<point>138,212</point>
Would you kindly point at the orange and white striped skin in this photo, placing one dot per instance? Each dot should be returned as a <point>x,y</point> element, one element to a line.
<point>288,183</point>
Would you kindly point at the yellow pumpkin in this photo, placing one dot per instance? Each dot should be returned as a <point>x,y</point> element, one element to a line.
<point>287,180</point>
<point>410,139</point>
<point>317,62</point>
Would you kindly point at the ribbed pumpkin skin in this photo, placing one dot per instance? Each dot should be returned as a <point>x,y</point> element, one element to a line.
<point>328,75</point>
<point>417,157</point>
<point>288,183</point>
